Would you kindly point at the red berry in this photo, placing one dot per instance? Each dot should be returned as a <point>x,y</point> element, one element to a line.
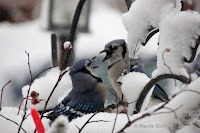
<point>168,49</point>
<point>35,101</point>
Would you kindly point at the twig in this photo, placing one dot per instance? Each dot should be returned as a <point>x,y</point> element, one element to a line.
<point>98,121</point>
<point>116,115</point>
<point>46,103</point>
<point>167,50</point>
<point>20,105</point>
<point>87,122</point>
<point>122,102</point>
<point>2,93</point>
<point>171,111</point>
<point>13,122</point>
<point>159,108</point>
<point>31,80</point>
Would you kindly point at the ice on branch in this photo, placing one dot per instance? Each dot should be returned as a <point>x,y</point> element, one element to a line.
<point>44,86</point>
<point>179,33</point>
<point>132,85</point>
<point>143,16</point>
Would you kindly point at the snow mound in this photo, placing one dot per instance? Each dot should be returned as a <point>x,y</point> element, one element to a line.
<point>44,86</point>
<point>132,85</point>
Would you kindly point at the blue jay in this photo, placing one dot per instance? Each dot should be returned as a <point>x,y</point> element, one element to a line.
<point>87,95</point>
<point>117,56</point>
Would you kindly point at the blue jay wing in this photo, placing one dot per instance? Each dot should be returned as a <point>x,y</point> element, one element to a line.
<point>74,111</point>
<point>160,93</point>
<point>62,103</point>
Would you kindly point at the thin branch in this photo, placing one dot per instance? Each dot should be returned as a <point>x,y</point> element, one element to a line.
<point>131,122</point>
<point>159,108</point>
<point>46,103</point>
<point>152,82</point>
<point>171,111</point>
<point>116,115</point>
<point>2,94</point>
<point>87,121</point>
<point>167,65</point>
<point>31,81</point>
<point>13,122</point>
<point>20,105</point>
<point>98,121</point>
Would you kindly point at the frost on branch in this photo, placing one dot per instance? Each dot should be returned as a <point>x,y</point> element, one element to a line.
<point>179,32</point>
<point>143,16</point>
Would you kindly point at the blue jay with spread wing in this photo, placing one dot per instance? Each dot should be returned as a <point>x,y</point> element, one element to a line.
<point>117,56</point>
<point>88,94</point>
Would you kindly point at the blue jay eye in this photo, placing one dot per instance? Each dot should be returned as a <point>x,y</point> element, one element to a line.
<point>89,64</point>
<point>115,47</point>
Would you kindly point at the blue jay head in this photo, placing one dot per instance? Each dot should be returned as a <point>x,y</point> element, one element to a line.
<point>84,66</point>
<point>114,49</point>
<point>83,76</point>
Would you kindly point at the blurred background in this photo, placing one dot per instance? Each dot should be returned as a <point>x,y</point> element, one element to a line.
<point>27,25</point>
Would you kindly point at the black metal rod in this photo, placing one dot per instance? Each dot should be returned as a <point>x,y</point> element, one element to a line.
<point>54,50</point>
<point>73,32</point>
<point>152,82</point>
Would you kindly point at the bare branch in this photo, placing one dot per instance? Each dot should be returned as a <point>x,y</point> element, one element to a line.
<point>159,108</point>
<point>87,121</point>
<point>31,81</point>
<point>167,65</point>
<point>13,122</point>
<point>2,94</point>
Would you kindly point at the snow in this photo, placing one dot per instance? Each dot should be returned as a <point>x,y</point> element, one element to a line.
<point>60,125</point>
<point>132,85</point>
<point>178,45</point>
<point>138,20</point>
<point>37,43</point>
<point>44,86</point>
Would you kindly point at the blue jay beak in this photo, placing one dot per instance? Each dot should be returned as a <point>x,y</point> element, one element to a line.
<point>108,54</point>
<point>94,67</point>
